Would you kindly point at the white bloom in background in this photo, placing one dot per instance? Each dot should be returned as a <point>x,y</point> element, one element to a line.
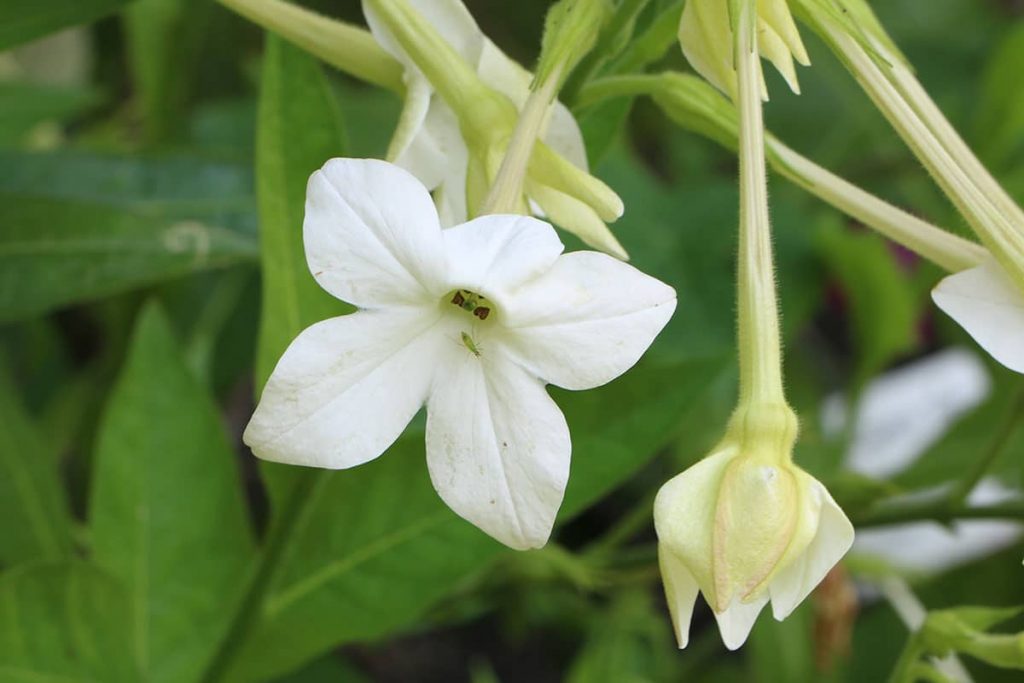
<point>985,301</point>
<point>744,530</point>
<point>430,144</point>
<point>471,321</point>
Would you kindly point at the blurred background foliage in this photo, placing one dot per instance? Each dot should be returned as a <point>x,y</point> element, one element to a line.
<point>146,153</point>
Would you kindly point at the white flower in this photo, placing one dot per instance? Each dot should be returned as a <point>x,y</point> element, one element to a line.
<point>744,530</point>
<point>429,143</point>
<point>990,307</point>
<point>472,321</point>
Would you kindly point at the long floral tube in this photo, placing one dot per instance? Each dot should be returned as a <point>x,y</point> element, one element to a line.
<point>346,47</point>
<point>697,106</point>
<point>985,213</point>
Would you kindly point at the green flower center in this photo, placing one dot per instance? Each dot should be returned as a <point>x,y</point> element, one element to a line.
<point>471,302</point>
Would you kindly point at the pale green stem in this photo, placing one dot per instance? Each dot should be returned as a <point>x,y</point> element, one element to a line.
<point>948,251</point>
<point>630,85</point>
<point>912,613</point>
<point>506,193</point>
<point>476,105</point>
<point>997,233</point>
<point>947,135</point>
<point>760,346</point>
<point>349,48</point>
<point>700,109</point>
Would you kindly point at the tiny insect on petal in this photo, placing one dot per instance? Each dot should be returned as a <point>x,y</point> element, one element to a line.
<point>470,344</point>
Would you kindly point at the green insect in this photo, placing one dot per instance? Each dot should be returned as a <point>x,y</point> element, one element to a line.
<point>471,344</point>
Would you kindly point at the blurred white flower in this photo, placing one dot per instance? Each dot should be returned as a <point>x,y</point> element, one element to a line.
<point>743,529</point>
<point>985,301</point>
<point>472,321</point>
<point>430,144</point>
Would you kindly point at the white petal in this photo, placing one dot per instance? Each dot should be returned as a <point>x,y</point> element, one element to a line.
<point>832,539</point>
<point>493,255</point>
<point>587,320</point>
<point>990,307</point>
<point>437,156</point>
<point>680,592</point>
<point>372,234</point>
<point>346,388</point>
<point>738,619</point>
<point>684,516</point>
<point>497,447</point>
<point>450,18</point>
<point>415,107</point>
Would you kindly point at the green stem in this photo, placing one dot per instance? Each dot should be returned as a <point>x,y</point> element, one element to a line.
<point>983,211</point>
<point>696,106</point>
<point>995,448</point>
<point>506,193</point>
<point>937,511</point>
<point>268,565</point>
<point>349,48</point>
<point>905,670</point>
<point>948,251</point>
<point>760,344</point>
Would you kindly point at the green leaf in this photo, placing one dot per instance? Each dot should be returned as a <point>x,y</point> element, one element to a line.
<point>23,20</point>
<point>167,515</point>
<point>882,300</point>
<point>78,226</point>
<point>34,518</point>
<point>630,642</point>
<point>784,651</point>
<point>64,623</point>
<point>378,547</point>
<point>26,105</point>
<point>299,128</point>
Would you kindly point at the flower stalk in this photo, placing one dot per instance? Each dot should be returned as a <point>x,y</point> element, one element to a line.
<point>760,348</point>
<point>697,106</point>
<point>968,185</point>
<point>506,192</point>
<point>349,48</point>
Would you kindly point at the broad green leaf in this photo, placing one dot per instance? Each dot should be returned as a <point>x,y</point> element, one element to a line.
<point>882,300</point>
<point>630,642</point>
<point>784,651</point>
<point>76,227</point>
<point>23,20</point>
<point>64,623</point>
<point>166,514</point>
<point>23,106</point>
<point>378,547</point>
<point>34,518</point>
<point>299,128</point>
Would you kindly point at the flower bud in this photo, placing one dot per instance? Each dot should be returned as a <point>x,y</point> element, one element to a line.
<point>705,34</point>
<point>744,526</point>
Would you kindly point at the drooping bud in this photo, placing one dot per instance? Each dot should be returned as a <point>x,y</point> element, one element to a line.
<point>706,37</point>
<point>745,526</point>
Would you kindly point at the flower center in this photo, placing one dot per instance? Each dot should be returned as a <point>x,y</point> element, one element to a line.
<point>472,303</point>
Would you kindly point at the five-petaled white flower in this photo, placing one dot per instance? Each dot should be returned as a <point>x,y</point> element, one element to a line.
<point>472,321</point>
<point>985,302</point>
